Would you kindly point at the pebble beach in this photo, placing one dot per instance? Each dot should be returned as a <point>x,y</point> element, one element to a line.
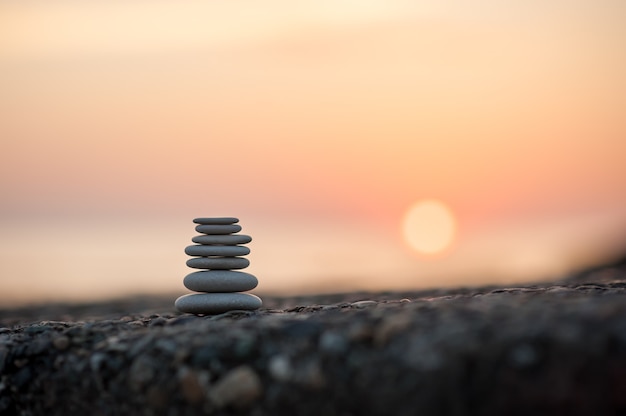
<point>553,348</point>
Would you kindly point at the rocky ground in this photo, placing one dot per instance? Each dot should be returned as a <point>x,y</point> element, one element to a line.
<point>557,348</point>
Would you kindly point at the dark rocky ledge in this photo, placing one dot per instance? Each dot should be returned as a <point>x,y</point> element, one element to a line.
<point>550,349</point>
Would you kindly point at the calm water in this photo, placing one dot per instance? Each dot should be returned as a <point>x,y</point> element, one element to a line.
<point>77,260</point>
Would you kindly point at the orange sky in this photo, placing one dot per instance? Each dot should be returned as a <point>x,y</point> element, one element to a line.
<point>321,120</point>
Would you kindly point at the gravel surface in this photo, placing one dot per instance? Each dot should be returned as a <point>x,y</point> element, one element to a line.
<point>557,348</point>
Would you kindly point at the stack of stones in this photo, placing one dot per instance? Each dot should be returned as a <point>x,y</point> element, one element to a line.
<point>218,253</point>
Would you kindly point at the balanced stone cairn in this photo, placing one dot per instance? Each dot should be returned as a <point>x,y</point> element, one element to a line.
<point>218,252</point>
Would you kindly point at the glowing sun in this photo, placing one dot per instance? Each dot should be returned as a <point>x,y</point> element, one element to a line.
<point>429,226</point>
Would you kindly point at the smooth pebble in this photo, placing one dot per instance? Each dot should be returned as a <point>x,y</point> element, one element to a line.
<point>216,220</point>
<point>222,239</point>
<point>220,263</point>
<point>214,303</point>
<point>220,281</point>
<point>209,250</point>
<point>218,229</point>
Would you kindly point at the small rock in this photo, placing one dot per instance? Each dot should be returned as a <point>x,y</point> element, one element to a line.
<point>20,362</point>
<point>141,372</point>
<point>38,346</point>
<point>311,375</point>
<point>333,343</point>
<point>300,329</point>
<point>203,357</point>
<point>363,304</point>
<point>158,321</point>
<point>240,387</point>
<point>191,386</point>
<point>182,320</point>
<point>244,346</point>
<point>61,343</point>
<point>158,399</point>
<point>280,368</point>
<point>390,326</point>
<point>360,331</point>
<point>96,360</point>
<point>167,345</point>
<point>560,290</point>
<point>140,346</point>
<point>423,355</point>
<point>36,329</point>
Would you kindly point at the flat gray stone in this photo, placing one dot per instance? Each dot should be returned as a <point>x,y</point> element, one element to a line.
<point>213,250</point>
<point>218,229</point>
<point>216,220</point>
<point>220,263</point>
<point>214,303</point>
<point>220,281</point>
<point>222,239</point>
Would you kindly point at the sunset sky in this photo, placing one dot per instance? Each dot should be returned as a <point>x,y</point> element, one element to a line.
<point>317,123</point>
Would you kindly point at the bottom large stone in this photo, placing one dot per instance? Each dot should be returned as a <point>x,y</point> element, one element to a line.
<point>214,303</point>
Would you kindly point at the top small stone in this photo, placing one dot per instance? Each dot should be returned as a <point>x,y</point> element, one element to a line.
<point>216,220</point>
